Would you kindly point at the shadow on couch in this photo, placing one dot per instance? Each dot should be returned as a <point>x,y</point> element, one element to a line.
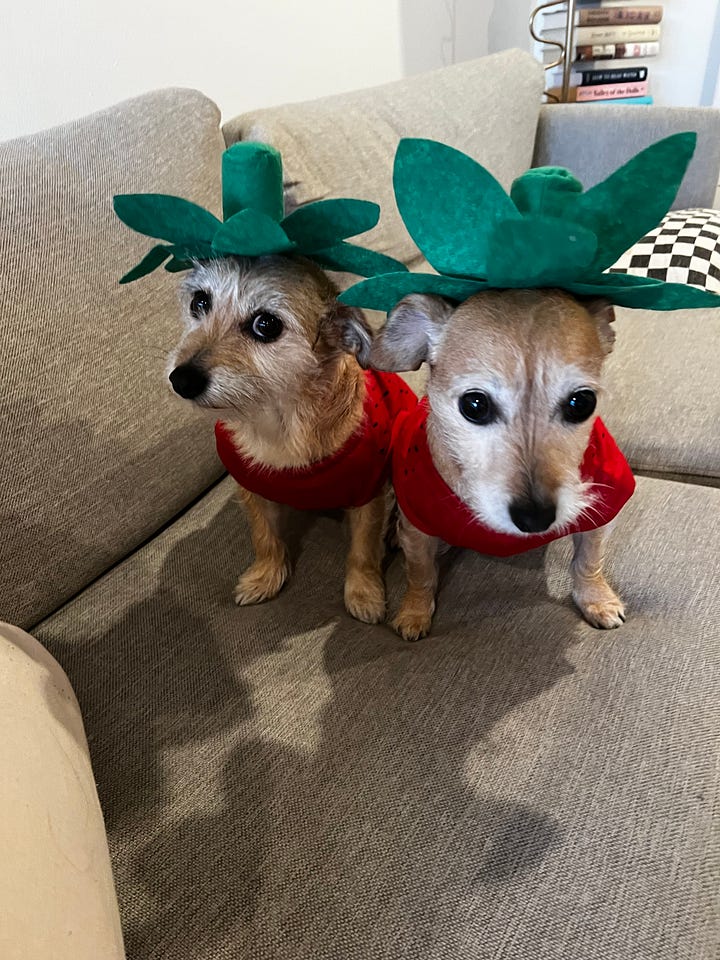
<point>282,780</point>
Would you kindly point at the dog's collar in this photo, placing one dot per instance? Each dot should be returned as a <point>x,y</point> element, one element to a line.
<point>432,507</point>
<point>547,233</point>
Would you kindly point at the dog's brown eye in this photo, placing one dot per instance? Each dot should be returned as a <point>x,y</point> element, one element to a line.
<point>579,406</point>
<point>265,327</point>
<point>200,303</point>
<point>477,407</point>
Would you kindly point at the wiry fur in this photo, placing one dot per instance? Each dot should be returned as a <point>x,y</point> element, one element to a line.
<point>527,350</point>
<point>289,402</point>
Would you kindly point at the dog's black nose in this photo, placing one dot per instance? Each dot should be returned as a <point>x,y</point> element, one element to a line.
<point>189,380</point>
<point>531,516</point>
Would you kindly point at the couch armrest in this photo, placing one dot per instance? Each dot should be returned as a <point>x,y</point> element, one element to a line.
<point>56,890</point>
<point>594,139</point>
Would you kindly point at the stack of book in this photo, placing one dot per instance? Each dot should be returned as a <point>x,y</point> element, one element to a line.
<point>610,42</point>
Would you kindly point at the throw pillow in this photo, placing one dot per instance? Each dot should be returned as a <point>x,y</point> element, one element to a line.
<point>684,248</point>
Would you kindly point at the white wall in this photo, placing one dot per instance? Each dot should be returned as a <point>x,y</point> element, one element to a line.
<point>65,58</point>
<point>439,32</point>
<point>677,76</point>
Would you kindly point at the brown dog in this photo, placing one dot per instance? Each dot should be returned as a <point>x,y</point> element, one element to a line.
<point>514,377</point>
<point>270,352</point>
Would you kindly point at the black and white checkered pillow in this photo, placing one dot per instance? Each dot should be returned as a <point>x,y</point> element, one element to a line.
<point>685,248</point>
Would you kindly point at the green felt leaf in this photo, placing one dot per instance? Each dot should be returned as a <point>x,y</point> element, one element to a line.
<point>151,261</point>
<point>449,204</point>
<point>165,217</point>
<point>189,252</point>
<point>538,251</point>
<point>545,190</point>
<point>645,293</point>
<point>635,198</point>
<point>318,225</point>
<point>250,234</point>
<point>383,292</point>
<point>177,266</point>
<point>252,179</point>
<point>348,258</point>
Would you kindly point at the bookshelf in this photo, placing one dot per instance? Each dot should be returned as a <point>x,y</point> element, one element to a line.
<point>621,44</point>
<point>563,50</point>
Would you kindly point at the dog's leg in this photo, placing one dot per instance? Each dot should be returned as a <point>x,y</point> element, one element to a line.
<point>364,587</point>
<point>418,605</point>
<point>264,579</point>
<point>598,603</point>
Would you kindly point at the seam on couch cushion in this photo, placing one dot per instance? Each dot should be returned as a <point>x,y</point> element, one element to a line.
<point>140,546</point>
<point>699,480</point>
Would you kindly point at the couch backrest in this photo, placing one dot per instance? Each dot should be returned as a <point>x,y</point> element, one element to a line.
<point>344,145</point>
<point>96,453</point>
<point>592,140</point>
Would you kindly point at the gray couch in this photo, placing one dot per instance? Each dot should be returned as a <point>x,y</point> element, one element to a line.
<point>283,781</point>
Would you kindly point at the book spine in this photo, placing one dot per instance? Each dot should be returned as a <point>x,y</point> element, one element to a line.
<point>610,16</point>
<point>611,91</point>
<point>617,51</point>
<point>589,78</point>
<point>622,101</point>
<point>632,33</point>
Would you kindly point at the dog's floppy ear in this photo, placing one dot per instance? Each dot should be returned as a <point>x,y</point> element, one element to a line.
<point>603,313</point>
<point>411,333</point>
<point>348,329</point>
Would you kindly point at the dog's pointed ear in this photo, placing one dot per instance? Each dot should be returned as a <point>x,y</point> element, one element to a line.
<point>347,328</point>
<point>411,333</point>
<point>603,313</point>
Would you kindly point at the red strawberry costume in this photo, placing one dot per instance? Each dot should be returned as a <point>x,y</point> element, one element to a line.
<point>351,477</point>
<point>431,506</point>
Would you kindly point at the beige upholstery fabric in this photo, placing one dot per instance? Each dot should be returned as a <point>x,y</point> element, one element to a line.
<point>592,142</point>
<point>663,401</point>
<point>96,454</point>
<point>344,145</point>
<point>282,782</point>
<point>57,900</point>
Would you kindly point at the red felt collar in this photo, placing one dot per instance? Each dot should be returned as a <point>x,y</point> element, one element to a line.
<point>351,477</point>
<point>431,506</point>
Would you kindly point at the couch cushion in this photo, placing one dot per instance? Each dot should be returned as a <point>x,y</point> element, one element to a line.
<point>663,399</point>
<point>344,145</point>
<point>282,781</point>
<point>96,452</point>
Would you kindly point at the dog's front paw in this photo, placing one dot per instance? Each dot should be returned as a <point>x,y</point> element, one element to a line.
<point>365,597</point>
<point>601,606</point>
<point>413,621</point>
<point>261,581</point>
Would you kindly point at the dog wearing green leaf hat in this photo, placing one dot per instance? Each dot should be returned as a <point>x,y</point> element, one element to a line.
<point>506,452</point>
<point>278,362</point>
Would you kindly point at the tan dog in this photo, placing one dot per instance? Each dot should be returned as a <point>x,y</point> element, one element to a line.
<point>514,377</point>
<point>270,352</point>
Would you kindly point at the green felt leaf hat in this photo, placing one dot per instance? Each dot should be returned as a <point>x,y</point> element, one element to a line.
<point>253,222</point>
<point>548,232</point>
